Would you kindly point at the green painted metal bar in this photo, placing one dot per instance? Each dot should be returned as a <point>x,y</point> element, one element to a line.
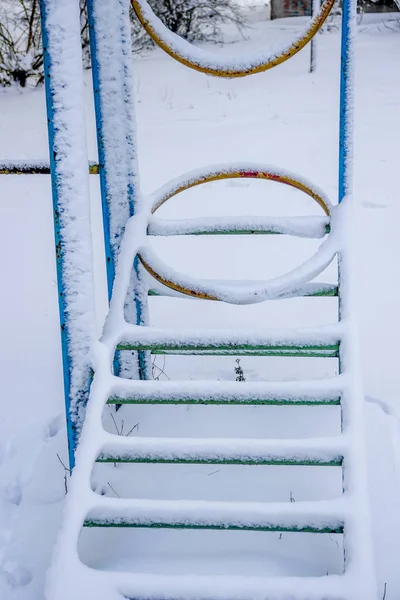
<point>312,351</point>
<point>329,292</point>
<point>243,231</point>
<point>278,462</point>
<point>230,402</point>
<point>165,525</point>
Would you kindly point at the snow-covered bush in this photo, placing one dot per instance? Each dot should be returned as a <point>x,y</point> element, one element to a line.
<point>20,45</point>
<point>21,58</point>
<point>199,20</point>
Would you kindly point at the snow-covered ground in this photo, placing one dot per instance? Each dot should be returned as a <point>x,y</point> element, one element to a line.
<point>285,117</point>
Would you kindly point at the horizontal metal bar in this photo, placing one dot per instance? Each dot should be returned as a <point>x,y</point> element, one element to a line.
<point>35,167</point>
<point>316,351</point>
<point>114,458</point>
<point>314,392</point>
<point>310,517</point>
<point>165,525</point>
<point>226,401</point>
<point>328,451</point>
<point>323,290</point>
<point>307,227</point>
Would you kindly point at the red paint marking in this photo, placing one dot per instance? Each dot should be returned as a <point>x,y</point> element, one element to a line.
<point>251,174</point>
<point>273,177</point>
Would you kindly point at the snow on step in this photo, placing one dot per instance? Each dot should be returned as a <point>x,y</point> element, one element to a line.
<point>325,391</point>
<point>318,517</point>
<point>308,227</point>
<point>135,337</point>
<point>308,289</point>
<point>323,451</point>
<point>194,587</point>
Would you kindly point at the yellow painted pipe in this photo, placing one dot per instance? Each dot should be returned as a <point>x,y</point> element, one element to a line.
<point>216,176</point>
<point>229,72</point>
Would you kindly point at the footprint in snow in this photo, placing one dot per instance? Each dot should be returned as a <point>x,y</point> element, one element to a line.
<point>13,493</point>
<point>54,427</point>
<point>14,574</point>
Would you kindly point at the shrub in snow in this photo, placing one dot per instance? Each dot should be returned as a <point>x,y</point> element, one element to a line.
<point>192,20</point>
<point>21,57</point>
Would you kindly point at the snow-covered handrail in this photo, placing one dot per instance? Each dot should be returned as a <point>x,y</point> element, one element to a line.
<point>246,294</point>
<point>206,62</point>
<point>239,171</point>
<point>222,291</point>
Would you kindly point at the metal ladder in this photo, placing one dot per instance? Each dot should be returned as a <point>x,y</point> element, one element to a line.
<point>133,272</point>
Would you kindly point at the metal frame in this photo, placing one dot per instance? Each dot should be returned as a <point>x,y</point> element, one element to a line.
<point>117,150</point>
<point>76,365</point>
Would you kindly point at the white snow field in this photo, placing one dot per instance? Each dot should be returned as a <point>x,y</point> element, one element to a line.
<point>284,117</point>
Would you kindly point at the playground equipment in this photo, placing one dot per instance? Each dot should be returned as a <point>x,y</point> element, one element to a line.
<point>99,372</point>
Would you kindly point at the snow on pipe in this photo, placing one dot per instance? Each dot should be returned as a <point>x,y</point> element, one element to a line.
<point>323,451</point>
<point>247,293</point>
<point>143,586</point>
<point>205,62</point>
<point>246,170</point>
<point>358,543</point>
<point>114,124</point>
<point>71,205</point>
<point>307,227</point>
<point>111,51</point>
<point>330,389</point>
<point>318,516</point>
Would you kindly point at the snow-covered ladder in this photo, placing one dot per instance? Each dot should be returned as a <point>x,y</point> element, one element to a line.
<point>134,271</point>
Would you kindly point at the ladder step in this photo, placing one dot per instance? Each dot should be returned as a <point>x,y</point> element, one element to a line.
<point>310,517</point>
<point>311,452</point>
<point>280,393</point>
<point>154,586</point>
<point>331,351</point>
<point>308,227</point>
<point>321,342</point>
<point>315,290</point>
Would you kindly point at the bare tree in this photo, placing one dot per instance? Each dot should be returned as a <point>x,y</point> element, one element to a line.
<point>21,55</point>
<point>197,20</point>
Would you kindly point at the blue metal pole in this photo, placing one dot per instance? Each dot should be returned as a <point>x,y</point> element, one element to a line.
<point>111,53</point>
<point>69,179</point>
<point>349,23</point>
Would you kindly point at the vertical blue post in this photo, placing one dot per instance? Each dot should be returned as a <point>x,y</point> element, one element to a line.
<point>71,208</point>
<point>111,53</point>
<point>315,6</point>
<point>349,23</point>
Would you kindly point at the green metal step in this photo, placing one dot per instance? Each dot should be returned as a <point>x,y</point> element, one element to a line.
<point>244,393</point>
<point>308,517</point>
<point>158,400</point>
<point>220,461</point>
<point>165,525</point>
<point>325,452</point>
<point>303,351</point>
<point>307,291</point>
<point>305,227</point>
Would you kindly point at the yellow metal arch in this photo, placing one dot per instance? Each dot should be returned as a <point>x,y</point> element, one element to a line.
<point>265,174</point>
<point>227,71</point>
